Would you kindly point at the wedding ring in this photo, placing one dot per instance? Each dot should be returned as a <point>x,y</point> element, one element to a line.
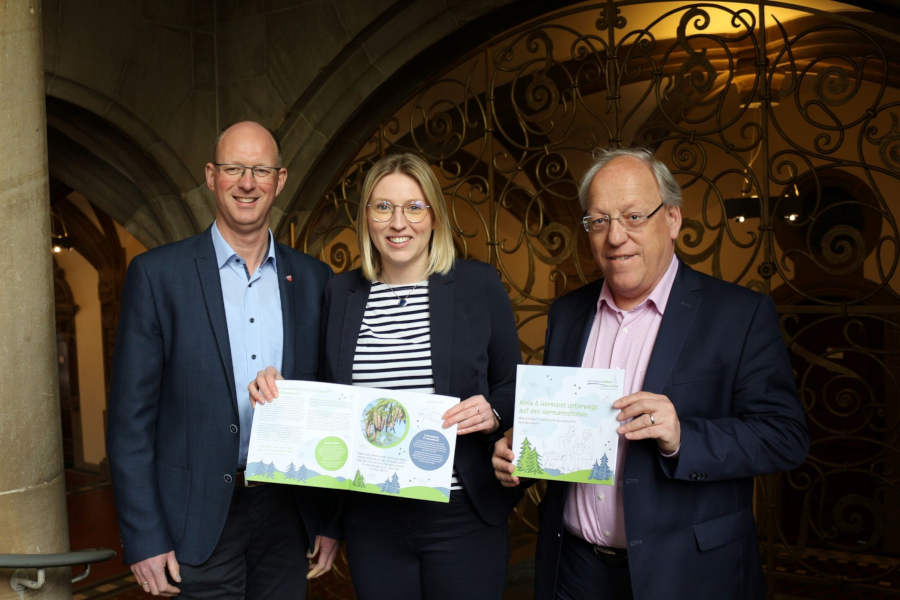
<point>652,420</point>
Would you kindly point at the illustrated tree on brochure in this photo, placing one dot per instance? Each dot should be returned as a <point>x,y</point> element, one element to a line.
<point>529,459</point>
<point>391,485</point>
<point>358,480</point>
<point>601,472</point>
<point>384,415</point>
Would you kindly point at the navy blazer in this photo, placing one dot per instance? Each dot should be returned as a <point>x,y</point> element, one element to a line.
<point>720,358</point>
<point>173,427</point>
<point>474,350</point>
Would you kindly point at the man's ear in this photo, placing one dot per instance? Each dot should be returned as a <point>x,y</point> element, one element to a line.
<point>210,172</point>
<point>282,178</point>
<point>673,219</point>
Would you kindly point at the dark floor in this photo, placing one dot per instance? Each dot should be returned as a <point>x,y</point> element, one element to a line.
<point>92,524</point>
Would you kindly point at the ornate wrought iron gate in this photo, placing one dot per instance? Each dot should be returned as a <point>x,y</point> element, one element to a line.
<point>782,122</point>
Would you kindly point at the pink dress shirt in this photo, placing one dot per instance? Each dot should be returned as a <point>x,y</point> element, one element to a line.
<point>618,340</point>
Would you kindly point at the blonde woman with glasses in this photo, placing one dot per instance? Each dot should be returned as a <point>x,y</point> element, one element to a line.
<point>415,317</point>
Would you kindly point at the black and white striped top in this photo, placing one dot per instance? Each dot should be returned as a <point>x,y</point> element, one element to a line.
<point>393,350</point>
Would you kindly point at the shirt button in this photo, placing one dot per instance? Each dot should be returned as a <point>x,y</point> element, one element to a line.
<point>233,428</point>
<point>228,478</point>
<point>252,320</point>
<point>253,356</point>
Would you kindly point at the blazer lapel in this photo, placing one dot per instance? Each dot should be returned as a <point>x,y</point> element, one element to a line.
<point>572,328</point>
<point>286,290</point>
<point>441,304</point>
<point>681,312</point>
<point>354,307</point>
<point>211,287</point>
<point>585,315</point>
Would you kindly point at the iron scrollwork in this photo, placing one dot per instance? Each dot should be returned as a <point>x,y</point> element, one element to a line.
<point>782,123</point>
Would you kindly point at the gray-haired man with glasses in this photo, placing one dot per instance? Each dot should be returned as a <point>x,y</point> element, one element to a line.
<point>198,319</point>
<point>710,402</point>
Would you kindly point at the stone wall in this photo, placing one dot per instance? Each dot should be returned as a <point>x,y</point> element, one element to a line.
<point>137,91</point>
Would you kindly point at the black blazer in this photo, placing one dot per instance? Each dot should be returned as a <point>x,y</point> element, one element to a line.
<point>173,427</point>
<point>474,350</point>
<point>720,357</point>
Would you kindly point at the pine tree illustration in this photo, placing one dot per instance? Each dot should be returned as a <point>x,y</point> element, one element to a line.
<point>359,481</point>
<point>529,458</point>
<point>601,472</point>
<point>525,462</point>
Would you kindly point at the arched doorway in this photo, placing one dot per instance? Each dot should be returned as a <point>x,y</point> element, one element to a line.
<point>746,101</point>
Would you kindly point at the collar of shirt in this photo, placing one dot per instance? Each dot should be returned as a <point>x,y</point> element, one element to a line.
<point>224,251</point>
<point>658,297</point>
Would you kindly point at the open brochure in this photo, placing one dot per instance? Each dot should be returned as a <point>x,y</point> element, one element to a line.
<point>565,426</point>
<point>354,438</point>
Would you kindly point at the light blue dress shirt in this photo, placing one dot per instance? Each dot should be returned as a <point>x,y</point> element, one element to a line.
<point>253,315</point>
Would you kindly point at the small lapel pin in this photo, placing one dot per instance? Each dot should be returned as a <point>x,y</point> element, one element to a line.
<point>290,278</point>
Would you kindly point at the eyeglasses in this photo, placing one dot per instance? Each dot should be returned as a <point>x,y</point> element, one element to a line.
<point>631,221</point>
<point>382,210</point>
<point>260,173</point>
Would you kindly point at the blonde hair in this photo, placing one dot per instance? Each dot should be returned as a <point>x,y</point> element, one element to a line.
<point>441,252</point>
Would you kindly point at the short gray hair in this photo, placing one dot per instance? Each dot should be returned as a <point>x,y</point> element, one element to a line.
<point>669,190</point>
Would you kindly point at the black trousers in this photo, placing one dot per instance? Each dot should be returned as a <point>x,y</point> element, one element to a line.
<point>586,574</point>
<point>261,553</point>
<point>411,549</point>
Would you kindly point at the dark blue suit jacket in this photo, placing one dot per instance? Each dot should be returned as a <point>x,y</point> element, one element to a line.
<point>173,427</point>
<point>474,350</point>
<point>720,357</point>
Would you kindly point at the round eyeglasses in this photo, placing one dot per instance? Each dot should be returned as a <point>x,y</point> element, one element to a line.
<point>382,210</point>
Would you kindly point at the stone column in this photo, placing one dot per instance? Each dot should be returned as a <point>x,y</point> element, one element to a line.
<point>32,482</point>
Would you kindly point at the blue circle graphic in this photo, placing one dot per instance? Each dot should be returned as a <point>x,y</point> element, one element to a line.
<point>429,449</point>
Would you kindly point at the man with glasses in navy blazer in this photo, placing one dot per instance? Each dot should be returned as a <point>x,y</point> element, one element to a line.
<point>709,403</point>
<point>198,319</point>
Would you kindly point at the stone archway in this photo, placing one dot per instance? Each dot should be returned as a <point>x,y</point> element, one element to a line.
<point>95,157</point>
